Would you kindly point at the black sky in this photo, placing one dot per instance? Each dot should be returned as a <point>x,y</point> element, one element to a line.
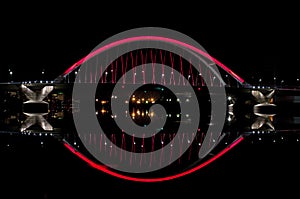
<point>250,39</point>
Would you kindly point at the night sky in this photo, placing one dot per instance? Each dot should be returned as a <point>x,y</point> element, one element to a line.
<point>253,40</point>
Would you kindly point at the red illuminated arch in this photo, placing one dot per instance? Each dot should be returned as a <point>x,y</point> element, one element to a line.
<point>107,170</point>
<point>125,177</point>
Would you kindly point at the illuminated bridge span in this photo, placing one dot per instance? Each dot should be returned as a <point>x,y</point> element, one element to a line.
<point>159,60</point>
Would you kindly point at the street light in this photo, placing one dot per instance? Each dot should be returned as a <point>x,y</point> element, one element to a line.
<point>10,74</point>
<point>43,74</point>
<point>282,82</point>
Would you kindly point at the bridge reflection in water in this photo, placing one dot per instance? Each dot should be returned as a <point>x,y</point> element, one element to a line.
<point>260,115</point>
<point>39,136</point>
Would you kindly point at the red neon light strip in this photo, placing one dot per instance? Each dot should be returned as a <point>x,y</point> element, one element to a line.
<point>155,38</point>
<point>106,170</point>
